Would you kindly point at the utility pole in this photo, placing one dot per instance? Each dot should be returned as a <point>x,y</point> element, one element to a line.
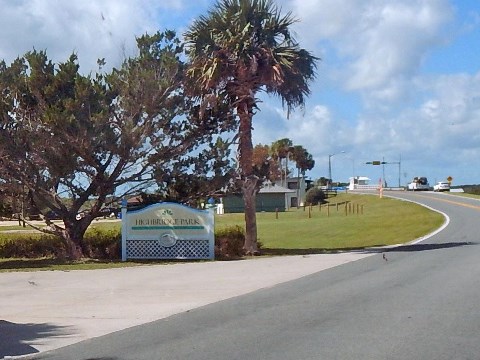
<point>330,168</point>
<point>383,163</point>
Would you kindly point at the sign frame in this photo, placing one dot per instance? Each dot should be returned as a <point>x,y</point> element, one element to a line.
<point>168,231</point>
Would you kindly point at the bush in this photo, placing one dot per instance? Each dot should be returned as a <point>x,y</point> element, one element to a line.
<point>102,245</point>
<point>472,189</point>
<point>32,247</point>
<point>314,196</point>
<point>229,243</point>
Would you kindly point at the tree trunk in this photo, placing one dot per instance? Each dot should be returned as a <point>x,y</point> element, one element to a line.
<point>298,188</point>
<point>73,250</point>
<point>248,179</point>
<point>249,195</point>
<point>72,237</point>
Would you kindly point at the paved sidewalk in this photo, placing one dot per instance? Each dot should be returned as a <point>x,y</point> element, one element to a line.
<point>45,310</point>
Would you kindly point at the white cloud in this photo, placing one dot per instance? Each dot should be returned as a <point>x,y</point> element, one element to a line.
<point>375,50</point>
<point>376,44</point>
<point>436,134</point>
<point>316,130</point>
<point>92,29</point>
<point>441,131</point>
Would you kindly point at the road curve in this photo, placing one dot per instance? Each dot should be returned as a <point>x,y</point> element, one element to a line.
<point>418,301</point>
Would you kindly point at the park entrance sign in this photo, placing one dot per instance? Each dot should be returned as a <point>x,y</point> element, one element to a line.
<point>167,231</point>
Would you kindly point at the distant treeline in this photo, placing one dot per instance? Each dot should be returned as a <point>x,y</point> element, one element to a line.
<point>470,189</point>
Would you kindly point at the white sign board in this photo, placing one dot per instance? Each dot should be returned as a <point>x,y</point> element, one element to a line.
<point>167,231</point>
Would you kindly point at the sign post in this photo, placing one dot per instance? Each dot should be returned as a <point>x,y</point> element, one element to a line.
<point>378,162</point>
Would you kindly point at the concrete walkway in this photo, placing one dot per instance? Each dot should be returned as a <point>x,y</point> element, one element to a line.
<point>45,310</point>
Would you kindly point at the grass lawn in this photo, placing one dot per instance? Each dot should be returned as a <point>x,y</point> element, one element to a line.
<point>473,196</point>
<point>384,221</point>
<point>56,264</point>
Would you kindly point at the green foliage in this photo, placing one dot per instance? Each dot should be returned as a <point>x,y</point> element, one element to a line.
<point>303,159</point>
<point>88,136</point>
<point>280,148</point>
<point>472,189</point>
<point>5,210</point>
<point>314,196</point>
<point>103,245</point>
<point>32,247</point>
<point>242,47</point>
<point>229,243</point>
<point>383,222</point>
<point>323,181</point>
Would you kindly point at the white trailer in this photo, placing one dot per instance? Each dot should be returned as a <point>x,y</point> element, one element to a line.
<point>419,183</point>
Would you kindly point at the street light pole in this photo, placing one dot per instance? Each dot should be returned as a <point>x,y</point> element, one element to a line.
<point>330,168</point>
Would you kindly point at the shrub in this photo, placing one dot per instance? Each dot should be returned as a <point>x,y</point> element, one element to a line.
<point>472,189</point>
<point>32,247</point>
<point>314,196</point>
<point>104,244</point>
<point>229,243</point>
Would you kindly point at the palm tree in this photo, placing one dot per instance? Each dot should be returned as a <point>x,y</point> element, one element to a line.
<point>303,162</point>
<point>280,150</point>
<point>242,47</point>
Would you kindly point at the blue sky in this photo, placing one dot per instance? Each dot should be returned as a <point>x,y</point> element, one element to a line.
<point>398,79</point>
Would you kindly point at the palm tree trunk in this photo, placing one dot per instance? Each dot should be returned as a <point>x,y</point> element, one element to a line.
<point>249,196</point>
<point>298,187</point>
<point>248,180</point>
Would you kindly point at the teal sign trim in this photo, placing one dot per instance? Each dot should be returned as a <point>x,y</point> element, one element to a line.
<point>179,227</point>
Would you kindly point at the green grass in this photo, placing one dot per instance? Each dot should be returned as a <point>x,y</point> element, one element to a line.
<point>384,221</point>
<point>8,265</point>
<point>11,232</point>
<point>472,196</point>
<point>5,235</point>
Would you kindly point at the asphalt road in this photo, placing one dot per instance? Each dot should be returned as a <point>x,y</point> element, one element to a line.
<point>419,301</point>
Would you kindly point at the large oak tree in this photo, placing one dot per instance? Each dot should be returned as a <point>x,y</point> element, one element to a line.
<point>71,139</point>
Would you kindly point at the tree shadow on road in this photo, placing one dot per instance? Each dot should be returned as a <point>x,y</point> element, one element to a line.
<point>15,338</point>
<point>365,250</point>
<point>424,247</point>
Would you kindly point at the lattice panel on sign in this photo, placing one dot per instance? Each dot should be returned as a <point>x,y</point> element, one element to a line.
<point>153,249</point>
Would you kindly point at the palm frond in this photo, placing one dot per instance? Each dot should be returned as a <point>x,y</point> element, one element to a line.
<point>243,43</point>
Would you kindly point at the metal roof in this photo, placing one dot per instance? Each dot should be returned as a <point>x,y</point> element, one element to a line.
<point>275,189</point>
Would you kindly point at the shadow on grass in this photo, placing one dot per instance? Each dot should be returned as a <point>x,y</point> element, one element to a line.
<point>15,264</point>
<point>58,264</point>
<point>15,338</point>
<point>85,264</point>
<point>367,250</point>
